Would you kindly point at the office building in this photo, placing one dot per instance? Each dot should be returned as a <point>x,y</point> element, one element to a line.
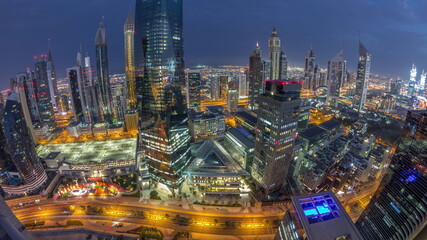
<point>51,76</point>
<point>104,88</point>
<point>206,125</point>
<point>23,171</point>
<point>10,227</point>
<point>131,120</point>
<point>321,216</point>
<point>362,79</point>
<point>214,171</point>
<point>275,134</point>
<point>240,144</point>
<point>422,84</point>
<point>310,71</point>
<point>243,86</point>
<point>275,54</point>
<point>336,73</point>
<point>412,81</point>
<point>255,77</point>
<point>26,81</point>
<point>93,110</point>
<point>164,134</point>
<point>129,36</point>
<point>22,82</point>
<point>76,90</point>
<point>42,92</point>
<point>232,97</point>
<point>194,86</point>
<point>223,85</point>
<point>398,208</point>
<point>119,103</point>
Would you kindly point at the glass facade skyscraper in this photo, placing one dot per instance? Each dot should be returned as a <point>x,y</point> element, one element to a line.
<point>129,36</point>
<point>164,135</point>
<point>104,88</point>
<point>362,80</point>
<point>398,210</point>
<point>255,77</point>
<point>18,145</point>
<point>336,74</point>
<point>42,92</point>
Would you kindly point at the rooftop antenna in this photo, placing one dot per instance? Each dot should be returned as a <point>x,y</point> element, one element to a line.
<point>48,43</point>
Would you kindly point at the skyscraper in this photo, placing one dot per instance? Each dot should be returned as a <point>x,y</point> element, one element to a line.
<point>129,34</point>
<point>243,86</point>
<point>283,65</point>
<point>275,134</point>
<point>23,165</point>
<point>232,97</point>
<point>76,90</point>
<point>10,226</point>
<point>275,56</point>
<point>412,81</point>
<point>104,88</point>
<point>223,85</point>
<point>164,134</point>
<point>362,79</point>
<point>309,70</point>
<point>398,209</point>
<point>91,93</point>
<point>336,73</point>
<point>42,92</point>
<point>255,77</point>
<point>51,76</point>
<point>194,85</point>
<point>422,84</point>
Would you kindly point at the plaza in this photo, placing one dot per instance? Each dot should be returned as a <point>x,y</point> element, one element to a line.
<point>92,151</point>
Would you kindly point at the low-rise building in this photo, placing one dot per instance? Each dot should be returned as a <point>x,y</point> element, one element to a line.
<point>241,145</point>
<point>206,125</point>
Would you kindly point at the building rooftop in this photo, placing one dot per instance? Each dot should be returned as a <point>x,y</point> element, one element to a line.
<point>330,125</point>
<point>312,133</point>
<point>323,217</point>
<point>244,137</point>
<point>212,159</point>
<point>247,116</point>
<point>53,155</point>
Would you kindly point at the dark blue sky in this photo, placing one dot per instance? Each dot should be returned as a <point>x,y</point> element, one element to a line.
<point>223,31</point>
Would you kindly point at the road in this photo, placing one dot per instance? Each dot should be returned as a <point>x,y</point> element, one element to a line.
<point>208,222</point>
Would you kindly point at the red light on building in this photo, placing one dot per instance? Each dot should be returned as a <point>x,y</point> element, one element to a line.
<point>276,142</point>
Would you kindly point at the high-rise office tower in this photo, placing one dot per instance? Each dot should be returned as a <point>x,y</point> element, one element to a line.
<point>51,76</point>
<point>10,227</point>
<point>243,86</point>
<point>255,77</point>
<point>118,90</point>
<point>21,85</point>
<point>336,72</point>
<point>266,67</point>
<point>164,134</point>
<point>309,70</point>
<point>42,92</point>
<point>275,56</point>
<point>422,84</point>
<point>223,85</point>
<point>362,79</point>
<point>412,81</point>
<point>283,65</point>
<point>194,85</point>
<point>104,88</point>
<point>26,81</point>
<point>91,93</point>
<point>398,209</point>
<point>76,90</point>
<point>232,97</point>
<point>129,34</point>
<point>275,134</point>
<point>215,88</point>
<point>22,165</point>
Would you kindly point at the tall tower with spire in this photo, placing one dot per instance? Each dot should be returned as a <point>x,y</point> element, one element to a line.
<point>362,79</point>
<point>104,89</point>
<point>275,54</point>
<point>129,34</point>
<point>255,77</point>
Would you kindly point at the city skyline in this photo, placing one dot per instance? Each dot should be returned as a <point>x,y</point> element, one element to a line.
<point>394,36</point>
